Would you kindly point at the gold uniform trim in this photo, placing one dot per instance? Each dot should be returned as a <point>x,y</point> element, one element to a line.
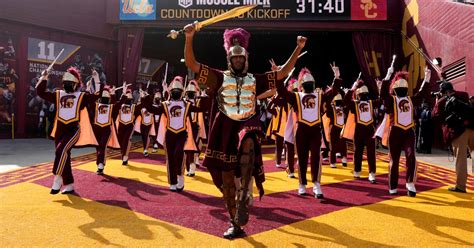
<point>78,108</point>
<point>300,112</point>
<point>395,114</point>
<point>132,112</point>
<point>335,118</point>
<point>96,115</point>
<point>371,113</point>
<point>168,126</point>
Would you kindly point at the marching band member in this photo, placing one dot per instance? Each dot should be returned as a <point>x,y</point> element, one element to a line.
<point>276,130</point>
<point>399,124</point>
<point>175,132</point>
<point>335,114</point>
<point>145,124</point>
<point>125,123</point>
<point>360,126</point>
<point>156,102</point>
<point>289,133</point>
<point>197,125</point>
<point>104,111</point>
<point>71,126</point>
<point>308,105</point>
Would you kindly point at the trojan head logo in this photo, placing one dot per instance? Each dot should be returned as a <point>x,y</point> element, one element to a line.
<point>67,101</point>
<point>404,106</point>
<point>126,109</point>
<point>176,111</point>
<point>363,107</point>
<point>339,112</point>
<point>103,109</point>
<point>309,102</point>
<point>146,113</point>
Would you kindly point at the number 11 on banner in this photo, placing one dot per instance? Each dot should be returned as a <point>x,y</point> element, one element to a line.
<point>42,50</point>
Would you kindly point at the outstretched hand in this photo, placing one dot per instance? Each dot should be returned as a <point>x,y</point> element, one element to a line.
<point>335,70</point>
<point>189,30</point>
<point>427,74</point>
<point>301,41</point>
<point>275,67</point>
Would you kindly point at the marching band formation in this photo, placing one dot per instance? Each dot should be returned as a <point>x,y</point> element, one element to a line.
<point>307,117</point>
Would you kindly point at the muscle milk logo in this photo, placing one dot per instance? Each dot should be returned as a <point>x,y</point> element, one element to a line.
<point>185,3</point>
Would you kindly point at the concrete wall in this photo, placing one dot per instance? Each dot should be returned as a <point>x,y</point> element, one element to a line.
<point>444,29</point>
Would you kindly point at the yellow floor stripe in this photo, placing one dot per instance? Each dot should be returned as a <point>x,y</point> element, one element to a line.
<point>435,218</point>
<point>43,220</point>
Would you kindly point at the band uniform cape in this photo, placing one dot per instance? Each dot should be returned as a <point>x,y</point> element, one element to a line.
<point>290,127</point>
<point>198,117</point>
<point>86,134</point>
<point>164,125</point>
<point>278,123</point>
<point>103,117</point>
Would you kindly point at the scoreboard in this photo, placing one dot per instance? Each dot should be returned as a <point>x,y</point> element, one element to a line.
<point>269,10</point>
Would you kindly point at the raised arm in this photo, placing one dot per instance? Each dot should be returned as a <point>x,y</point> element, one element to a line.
<point>41,88</point>
<point>290,63</point>
<point>287,96</point>
<point>347,101</point>
<point>191,63</point>
<point>118,105</point>
<point>91,98</point>
<point>424,88</point>
<point>384,93</point>
<point>113,99</point>
<point>336,85</point>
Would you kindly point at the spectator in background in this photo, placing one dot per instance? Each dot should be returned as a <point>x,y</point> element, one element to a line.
<point>455,111</point>
<point>426,129</point>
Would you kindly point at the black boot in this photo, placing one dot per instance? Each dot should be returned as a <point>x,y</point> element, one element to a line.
<point>234,231</point>
<point>54,191</point>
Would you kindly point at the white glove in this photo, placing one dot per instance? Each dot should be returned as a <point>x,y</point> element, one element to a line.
<point>427,74</point>
<point>354,85</point>
<point>390,71</point>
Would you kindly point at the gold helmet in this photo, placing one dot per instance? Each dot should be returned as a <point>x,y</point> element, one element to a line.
<point>362,90</point>
<point>105,93</point>
<point>307,78</point>
<point>237,50</point>
<point>337,98</point>
<point>177,83</point>
<point>191,88</point>
<point>400,83</point>
<point>70,77</point>
<point>235,44</point>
